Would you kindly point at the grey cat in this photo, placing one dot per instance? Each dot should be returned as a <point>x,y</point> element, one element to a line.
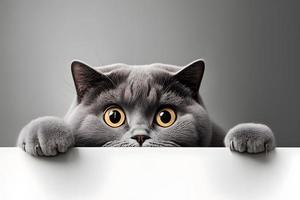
<point>155,105</point>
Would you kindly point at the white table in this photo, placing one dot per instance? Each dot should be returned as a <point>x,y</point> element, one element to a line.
<point>150,173</point>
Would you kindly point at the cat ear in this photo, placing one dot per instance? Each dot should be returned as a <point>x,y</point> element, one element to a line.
<point>86,77</point>
<point>191,75</point>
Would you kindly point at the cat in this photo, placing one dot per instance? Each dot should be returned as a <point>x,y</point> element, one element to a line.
<point>156,105</point>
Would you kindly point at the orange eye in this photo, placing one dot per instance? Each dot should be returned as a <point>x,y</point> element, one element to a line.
<point>165,117</point>
<point>114,116</point>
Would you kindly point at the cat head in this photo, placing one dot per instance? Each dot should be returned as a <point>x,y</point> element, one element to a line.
<point>144,105</point>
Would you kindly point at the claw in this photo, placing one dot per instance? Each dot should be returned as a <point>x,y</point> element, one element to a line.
<point>38,150</point>
<point>232,146</point>
<point>266,148</point>
<point>23,146</point>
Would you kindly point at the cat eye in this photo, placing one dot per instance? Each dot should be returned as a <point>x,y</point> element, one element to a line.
<point>114,116</point>
<point>165,117</point>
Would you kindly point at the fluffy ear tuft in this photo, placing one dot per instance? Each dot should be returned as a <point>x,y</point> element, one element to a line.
<point>191,76</point>
<point>86,77</point>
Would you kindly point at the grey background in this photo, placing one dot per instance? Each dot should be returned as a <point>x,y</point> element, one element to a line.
<point>251,49</point>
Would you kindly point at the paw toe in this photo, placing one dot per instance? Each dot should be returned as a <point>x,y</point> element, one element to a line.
<point>255,146</point>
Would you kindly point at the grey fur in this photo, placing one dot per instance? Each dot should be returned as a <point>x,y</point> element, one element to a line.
<point>46,136</point>
<point>140,91</point>
<point>250,137</point>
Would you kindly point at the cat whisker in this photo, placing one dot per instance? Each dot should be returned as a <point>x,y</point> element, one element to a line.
<point>173,144</point>
<point>125,144</point>
<point>111,143</point>
<point>118,144</point>
<point>153,144</point>
<point>163,144</point>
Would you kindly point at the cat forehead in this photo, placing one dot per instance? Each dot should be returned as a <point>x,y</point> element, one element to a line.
<point>138,77</point>
<point>154,67</point>
<point>140,84</point>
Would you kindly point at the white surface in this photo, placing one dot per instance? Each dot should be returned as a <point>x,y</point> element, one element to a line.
<point>150,173</point>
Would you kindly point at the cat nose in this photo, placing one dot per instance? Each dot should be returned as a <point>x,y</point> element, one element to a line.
<point>140,138</point>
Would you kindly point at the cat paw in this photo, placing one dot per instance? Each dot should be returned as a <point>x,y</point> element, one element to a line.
<point>251,138</point>
<point>46,136</point>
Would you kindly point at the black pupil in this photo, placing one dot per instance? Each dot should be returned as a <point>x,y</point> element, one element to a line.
<point>114,116</point>
<point>165,116</point>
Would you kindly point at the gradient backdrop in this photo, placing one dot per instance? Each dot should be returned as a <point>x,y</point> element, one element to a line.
<point>251,49</point>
